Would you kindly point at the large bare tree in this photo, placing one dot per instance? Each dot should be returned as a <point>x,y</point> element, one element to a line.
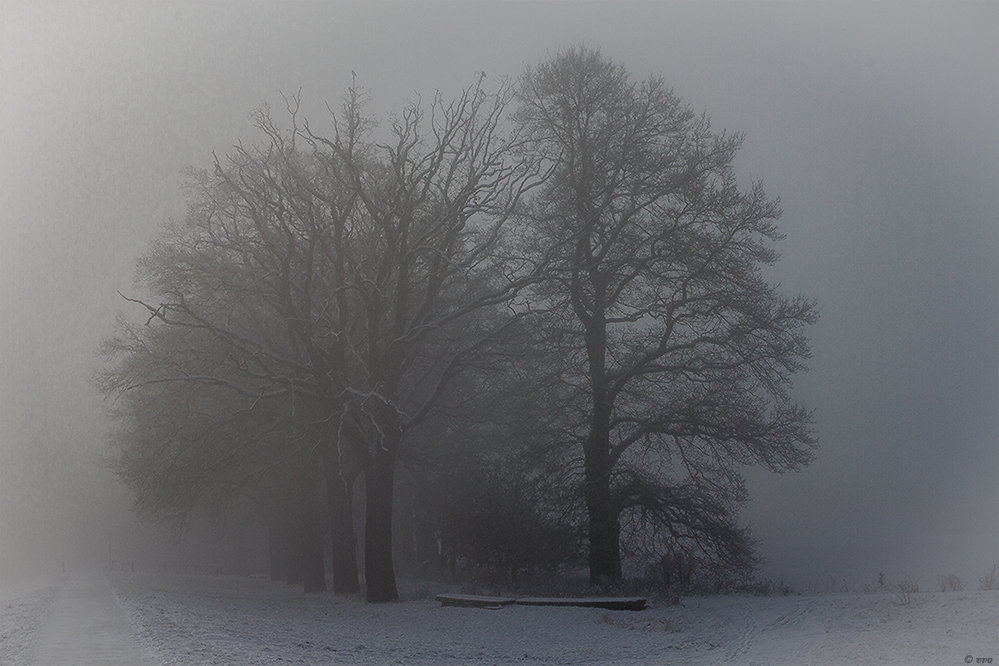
<point>425,274</point>
<point>681,351</point>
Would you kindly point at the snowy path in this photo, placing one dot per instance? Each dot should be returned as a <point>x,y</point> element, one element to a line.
<point>86,626</point>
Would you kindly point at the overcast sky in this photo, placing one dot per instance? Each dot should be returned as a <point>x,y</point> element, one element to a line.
<point>876,123</point>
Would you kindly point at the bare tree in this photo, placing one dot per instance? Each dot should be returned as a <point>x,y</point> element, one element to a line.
<point>192,431</point>
<point>681,352</point>
<point>228,279</point>
<point>424,273</point>
<point>355,276</point>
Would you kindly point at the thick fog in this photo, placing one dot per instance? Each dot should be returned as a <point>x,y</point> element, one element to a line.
<point>876,124</point>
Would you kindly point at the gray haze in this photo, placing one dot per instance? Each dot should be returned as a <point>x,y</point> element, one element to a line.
<point>876,123</point>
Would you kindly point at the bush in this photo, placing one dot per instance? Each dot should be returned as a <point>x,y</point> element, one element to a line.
<point>990,581</point>
<point>770,588</point>
<point>951,583</point>
<point>677,574</point>
<point>670,576</point>
<point>495,520</point>
<point>905,589</point>
<point>879,586</point>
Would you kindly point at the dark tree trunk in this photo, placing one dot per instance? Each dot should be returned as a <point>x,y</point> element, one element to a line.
<point>428,552</point>
<point>604,528</point>
<point>238,539</point>
<point>292,546</point>
<point>604,558</point>
<point>604,532</point>
<point>405,524</point>
<point>310,536</point>
<point>339,500</point>
<point>379,572</point>
<point>452,560</point>
<point>276,545</point>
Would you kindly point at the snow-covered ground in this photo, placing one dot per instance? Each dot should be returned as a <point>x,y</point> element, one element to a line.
<point>23,610</point>
<point>195,620</point>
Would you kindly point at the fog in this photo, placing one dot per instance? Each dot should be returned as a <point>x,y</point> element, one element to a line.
<point>876,124</point>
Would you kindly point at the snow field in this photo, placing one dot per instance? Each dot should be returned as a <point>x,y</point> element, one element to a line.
<point>23,609</point>
<point>193,620</point>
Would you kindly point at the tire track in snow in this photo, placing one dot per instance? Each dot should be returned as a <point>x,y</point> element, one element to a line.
<point>796,615</point>
<point>748,632</point>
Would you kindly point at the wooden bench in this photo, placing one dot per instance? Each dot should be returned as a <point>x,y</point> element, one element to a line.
<point>607,603</point>
<point>474,601</point>
<point>493,603</point>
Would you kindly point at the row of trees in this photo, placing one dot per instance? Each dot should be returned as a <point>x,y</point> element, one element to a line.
<point>547,297</point>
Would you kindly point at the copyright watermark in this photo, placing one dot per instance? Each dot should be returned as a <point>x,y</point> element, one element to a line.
<point>977,660</point>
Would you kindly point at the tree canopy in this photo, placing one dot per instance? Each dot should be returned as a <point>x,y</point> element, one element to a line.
<point>681,353</point>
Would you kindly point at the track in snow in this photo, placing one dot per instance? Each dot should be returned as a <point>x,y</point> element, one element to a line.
<point>86,626</point>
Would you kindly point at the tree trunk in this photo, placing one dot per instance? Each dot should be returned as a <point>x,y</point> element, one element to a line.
<point>292,547</point>
<point>310,536</point>
<point>278,557</point>
<point>604,531</point>
<point>428,552</point>
<point>404,530</point>
<point>379,572</point>
<point>604,527</point>
<point>344,541</point>
<point>238,539</point>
